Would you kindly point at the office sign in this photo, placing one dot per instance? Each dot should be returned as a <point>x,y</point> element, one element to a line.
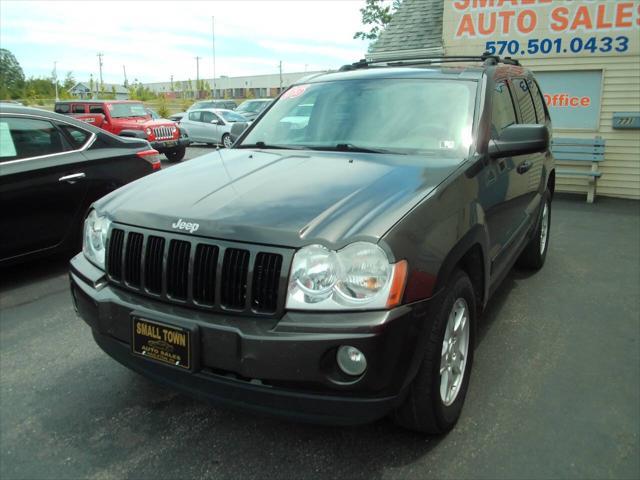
<point>573,98</point>
<point>542,28</point>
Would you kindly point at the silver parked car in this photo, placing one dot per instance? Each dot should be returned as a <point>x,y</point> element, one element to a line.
<point>211,125</point>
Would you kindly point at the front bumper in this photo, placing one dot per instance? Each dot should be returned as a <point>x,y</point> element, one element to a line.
<point>284,367</point>
<point>165,145</point>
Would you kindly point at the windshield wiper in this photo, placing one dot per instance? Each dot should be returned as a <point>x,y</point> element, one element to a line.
<point>349,147</point>
<point>265,146</point>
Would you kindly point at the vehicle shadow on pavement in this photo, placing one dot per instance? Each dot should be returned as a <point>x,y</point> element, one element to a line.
<point>494,307</point>
<point>27,281</point>
<point>128,426</point>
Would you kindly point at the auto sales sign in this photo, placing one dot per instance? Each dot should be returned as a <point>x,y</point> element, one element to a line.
<point>542,28</point>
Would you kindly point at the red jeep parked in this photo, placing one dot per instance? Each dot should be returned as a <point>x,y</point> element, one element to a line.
<point>129,119</point>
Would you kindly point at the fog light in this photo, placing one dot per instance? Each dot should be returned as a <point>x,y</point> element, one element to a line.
<point>351,360</point>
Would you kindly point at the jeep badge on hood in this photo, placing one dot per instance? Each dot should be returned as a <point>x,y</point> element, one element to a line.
<point>182,225</point>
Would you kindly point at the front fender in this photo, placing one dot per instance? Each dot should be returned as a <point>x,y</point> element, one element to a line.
<point>133,134</point>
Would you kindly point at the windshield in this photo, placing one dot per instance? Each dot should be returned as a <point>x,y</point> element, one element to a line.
<point>199,105</point>
<point>121,110</point>
<point>390,115</point>
<point>232,117</point>
<point>252,107</point>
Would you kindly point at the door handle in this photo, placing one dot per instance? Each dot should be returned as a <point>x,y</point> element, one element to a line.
<point>524,167</point>
<point>73,178</point>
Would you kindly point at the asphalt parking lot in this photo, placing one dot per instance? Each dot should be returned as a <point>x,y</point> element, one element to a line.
<point>555,391</point>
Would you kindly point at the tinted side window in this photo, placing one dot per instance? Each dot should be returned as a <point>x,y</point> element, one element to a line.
<point>96,109</point>
<point>194,116</point>
<point>208,117</point>
<point>538,102</point>
<point>503,113</point>
<point>27,137</point>
<point>76,136</point>
<point>62,108</point>
<point>527,110</point>
<point>78,109</point>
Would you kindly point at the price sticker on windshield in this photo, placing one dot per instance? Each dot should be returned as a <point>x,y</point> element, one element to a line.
<point>294,92</point>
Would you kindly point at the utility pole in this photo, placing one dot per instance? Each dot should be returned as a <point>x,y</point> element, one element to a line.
<point>55,77</point>
<point>172,82</point>
<point>126,83</point>
<point>213,53</point>
<point>100,55</point>
<point>281,75</point>
<point>198,77</point>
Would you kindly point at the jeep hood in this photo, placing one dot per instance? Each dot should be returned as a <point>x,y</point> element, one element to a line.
<point>142,123</point>
<point>281,197</point>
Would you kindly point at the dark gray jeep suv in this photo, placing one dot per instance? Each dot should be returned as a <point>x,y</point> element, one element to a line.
<point>332,266</point>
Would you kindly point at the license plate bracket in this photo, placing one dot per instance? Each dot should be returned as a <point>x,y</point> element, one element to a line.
<point>164,343</point>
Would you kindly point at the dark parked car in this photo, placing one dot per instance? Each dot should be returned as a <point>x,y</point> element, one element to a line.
<point>52,168</point>
<point>331,270</point>
<point>250,109</point>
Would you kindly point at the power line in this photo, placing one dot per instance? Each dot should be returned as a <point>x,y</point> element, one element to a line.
<point>100,55</point>
<point>213,52</point>
<point>198,77</point>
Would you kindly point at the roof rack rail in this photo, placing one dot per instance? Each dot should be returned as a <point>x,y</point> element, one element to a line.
<point>486,58</point>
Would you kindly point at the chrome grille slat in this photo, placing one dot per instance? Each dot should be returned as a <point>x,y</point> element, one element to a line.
<point>207,274</point>
<point>162,133</point>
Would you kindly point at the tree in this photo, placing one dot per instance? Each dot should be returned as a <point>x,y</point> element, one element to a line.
<point>69,81</point>
<point>91,85</point>
<point>11,75</point>
<point>163,109</point>
<point>378,14</point>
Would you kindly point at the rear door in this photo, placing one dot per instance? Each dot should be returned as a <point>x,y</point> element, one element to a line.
<point>42,185</point>
<point>537,160</point>
<point>191,123</point>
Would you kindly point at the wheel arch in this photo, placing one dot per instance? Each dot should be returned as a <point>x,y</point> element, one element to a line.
<point>551,182</point>
<point>470,255</point>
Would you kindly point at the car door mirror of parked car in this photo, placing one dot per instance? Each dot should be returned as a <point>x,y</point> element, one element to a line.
<point>519,140</point>
<point>217,122</point>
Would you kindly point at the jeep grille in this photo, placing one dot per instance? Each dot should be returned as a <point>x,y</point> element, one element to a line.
<point>207,274</point>
<point>162,133</point>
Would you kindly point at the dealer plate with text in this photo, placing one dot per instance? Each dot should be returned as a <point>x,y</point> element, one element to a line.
<point>161,342</point>
<point>170,144</point>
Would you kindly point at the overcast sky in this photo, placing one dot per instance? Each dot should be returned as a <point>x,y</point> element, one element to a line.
<point>156,39</point>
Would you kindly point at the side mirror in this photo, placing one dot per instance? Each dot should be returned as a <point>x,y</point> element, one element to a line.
<point>519,140</point>
<point>217,122</point>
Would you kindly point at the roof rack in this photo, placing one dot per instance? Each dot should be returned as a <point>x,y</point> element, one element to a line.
<point>486,58</point>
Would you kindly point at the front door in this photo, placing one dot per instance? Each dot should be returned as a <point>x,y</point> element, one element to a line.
<point>503,188</point>
<point>42,186</point>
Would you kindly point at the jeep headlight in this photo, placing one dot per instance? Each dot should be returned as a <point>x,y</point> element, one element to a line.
<point>94,240</point>
<point>357,277</point>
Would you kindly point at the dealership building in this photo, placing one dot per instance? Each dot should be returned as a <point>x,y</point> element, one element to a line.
<point>253,86</point>
<point>585,54</point>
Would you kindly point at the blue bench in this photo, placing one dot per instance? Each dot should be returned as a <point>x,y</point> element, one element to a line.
<point>587,152</point>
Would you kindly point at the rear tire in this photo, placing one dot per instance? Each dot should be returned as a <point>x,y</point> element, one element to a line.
<point>433,405</point>
<point>175,154</point>
<point>535,253</point>
<point>226,140</point>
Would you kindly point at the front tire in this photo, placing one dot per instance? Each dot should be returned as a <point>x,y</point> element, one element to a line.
<point>434,402</point>
<point>226,140</point>
<point>535,253</point>
<point>175,154</point>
